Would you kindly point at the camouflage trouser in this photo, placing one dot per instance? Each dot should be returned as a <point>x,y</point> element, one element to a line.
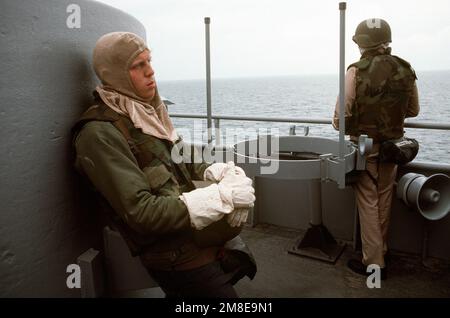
<point>373,191</point>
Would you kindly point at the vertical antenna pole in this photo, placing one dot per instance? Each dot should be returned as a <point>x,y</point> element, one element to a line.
<point>342,7</point>
<point>208,81</point>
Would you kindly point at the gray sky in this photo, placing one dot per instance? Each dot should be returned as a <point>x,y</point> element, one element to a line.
<point>283,37</point>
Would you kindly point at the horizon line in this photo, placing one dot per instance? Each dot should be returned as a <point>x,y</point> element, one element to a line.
<point>277,75</point>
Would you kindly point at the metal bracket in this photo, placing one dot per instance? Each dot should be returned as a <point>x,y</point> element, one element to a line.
<point>332,168</point>
<point>324,162</point>
<point>292,131</point>
<point>364,147</point>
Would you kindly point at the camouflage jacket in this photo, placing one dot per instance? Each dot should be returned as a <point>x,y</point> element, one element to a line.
<point>139,184</point>
<point>136,178</point>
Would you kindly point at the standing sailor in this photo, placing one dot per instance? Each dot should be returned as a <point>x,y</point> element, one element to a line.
<point>380,92</point>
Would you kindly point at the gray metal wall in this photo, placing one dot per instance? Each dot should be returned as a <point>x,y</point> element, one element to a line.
<point>286,203</point>
<point>46,81</point>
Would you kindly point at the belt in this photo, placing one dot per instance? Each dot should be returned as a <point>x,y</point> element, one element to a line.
<point>180,260</point>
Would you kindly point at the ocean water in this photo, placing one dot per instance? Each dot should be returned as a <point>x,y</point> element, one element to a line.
<point>303,96</point>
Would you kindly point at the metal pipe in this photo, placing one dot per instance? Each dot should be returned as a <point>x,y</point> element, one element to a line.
<point>427,125</point>
<point>429,167</point>
<point>342,7</point>
<point>217,131</point>
<point>320,121</point>
<point>208,79</point>
<point>256,118</point>
<point>315,199</point>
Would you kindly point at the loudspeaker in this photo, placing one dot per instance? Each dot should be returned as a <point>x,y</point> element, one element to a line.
<point>428,195</point>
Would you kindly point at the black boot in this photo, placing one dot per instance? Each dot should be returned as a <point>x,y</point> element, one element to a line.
<point>359,268</point>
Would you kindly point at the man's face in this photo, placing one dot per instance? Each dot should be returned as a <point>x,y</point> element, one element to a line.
<point>141,74</point>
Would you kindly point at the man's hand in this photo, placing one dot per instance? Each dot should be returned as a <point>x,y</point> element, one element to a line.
<point>241,189</point>
<point>214,172</point>
<point>218,170</point>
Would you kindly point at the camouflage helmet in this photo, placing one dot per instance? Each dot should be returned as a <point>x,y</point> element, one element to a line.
<point>372,32</point>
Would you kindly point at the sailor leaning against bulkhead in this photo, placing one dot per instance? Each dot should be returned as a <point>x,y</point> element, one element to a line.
<point>380,92</point>
<point>187,238</point>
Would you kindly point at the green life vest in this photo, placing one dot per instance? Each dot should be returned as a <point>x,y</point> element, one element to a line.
<point>384,85</point>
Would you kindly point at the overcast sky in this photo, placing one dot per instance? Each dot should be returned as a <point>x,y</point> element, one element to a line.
<point>283,37</point>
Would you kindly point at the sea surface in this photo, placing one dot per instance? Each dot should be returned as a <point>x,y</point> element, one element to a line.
<point>298,97</point>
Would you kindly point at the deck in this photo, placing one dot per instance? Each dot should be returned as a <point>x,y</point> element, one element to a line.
<point>285,275</point>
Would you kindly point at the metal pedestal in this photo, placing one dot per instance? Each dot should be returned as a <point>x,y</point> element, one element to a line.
<point>318,243</point>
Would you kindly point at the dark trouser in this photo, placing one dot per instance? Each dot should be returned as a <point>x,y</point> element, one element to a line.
<point>206,281</point>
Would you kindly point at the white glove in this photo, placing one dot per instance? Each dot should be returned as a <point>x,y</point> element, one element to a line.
<point>217,171</point>
<point>208,205</point>
<point>214,172</point>
<point>237,170</point>
<point>237,217</point>
<point>241,188</point>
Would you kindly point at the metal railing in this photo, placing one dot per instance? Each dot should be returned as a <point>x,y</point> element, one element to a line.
<point>210,117</point>
<point>300,120</point>
<point>304,120</point>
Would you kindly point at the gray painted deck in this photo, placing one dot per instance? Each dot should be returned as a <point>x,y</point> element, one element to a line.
<point>285,275</point>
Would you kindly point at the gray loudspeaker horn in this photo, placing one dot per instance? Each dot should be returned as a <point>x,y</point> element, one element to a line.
<point>429,195</point>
